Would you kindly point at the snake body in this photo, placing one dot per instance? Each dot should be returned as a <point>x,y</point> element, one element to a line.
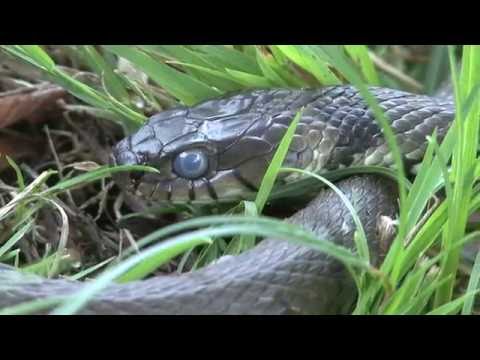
<point>237,135</point>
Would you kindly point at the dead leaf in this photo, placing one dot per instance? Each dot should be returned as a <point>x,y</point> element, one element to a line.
<point>17,147</point>
<point>84,165</point>
<point>29,103</point>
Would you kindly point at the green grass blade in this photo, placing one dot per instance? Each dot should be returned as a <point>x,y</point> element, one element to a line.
<point>19,234</point>
<point>196,64</point>
<point>10,255</point>
<point>182,86</point>
<point>243,242</point>
<point>270,176</point>
<point>437,66</point>
<point>473,285</point>
<point>97,62</point>
<point>153,262</point>
<point>361,241</point>
<point>224,57</point>
<point>405,293</point>
<point>90,270</point>
<point>32,54</point>
<point>249,80</point>
<point>216,77</point>
<point>94,175</point>
<point>35,56</point>
<point>453,307</point>
<point>418,304</point>
<point>269,69</point>
<point>463,163</point>
<point>31,307</point>
<point>167,250</point>
<point>184,242</point>
<point>18,172</point>
<point>304,57</point>
<point>359,53</point>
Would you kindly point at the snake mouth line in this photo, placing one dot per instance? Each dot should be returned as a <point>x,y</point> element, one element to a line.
<point>244,181</point>
<point>211,190</point>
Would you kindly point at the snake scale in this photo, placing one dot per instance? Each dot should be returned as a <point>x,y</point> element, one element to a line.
<point>220,149</point>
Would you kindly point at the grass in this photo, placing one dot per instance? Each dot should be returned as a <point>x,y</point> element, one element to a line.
<point>410,281</point>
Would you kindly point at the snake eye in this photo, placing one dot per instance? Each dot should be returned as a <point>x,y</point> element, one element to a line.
<point>190,164</point>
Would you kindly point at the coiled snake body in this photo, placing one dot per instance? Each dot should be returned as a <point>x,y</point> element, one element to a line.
<point>220,149</point>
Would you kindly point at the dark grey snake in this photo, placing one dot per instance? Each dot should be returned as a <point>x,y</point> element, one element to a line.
<point>220,149</point>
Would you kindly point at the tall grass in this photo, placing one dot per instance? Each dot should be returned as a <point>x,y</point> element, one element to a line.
<point>410,281</point>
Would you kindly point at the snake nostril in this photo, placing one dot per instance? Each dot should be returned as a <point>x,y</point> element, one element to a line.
<point>119,157</point>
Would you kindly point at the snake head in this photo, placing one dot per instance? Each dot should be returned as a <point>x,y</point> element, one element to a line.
<point>219,149</point>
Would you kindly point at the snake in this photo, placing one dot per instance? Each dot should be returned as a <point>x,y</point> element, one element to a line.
<point>220,149</point>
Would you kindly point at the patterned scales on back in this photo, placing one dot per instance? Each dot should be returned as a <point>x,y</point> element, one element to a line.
<point>338,130</point>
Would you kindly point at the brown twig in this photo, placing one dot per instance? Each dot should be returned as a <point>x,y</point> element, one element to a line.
<point>396,73</point>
